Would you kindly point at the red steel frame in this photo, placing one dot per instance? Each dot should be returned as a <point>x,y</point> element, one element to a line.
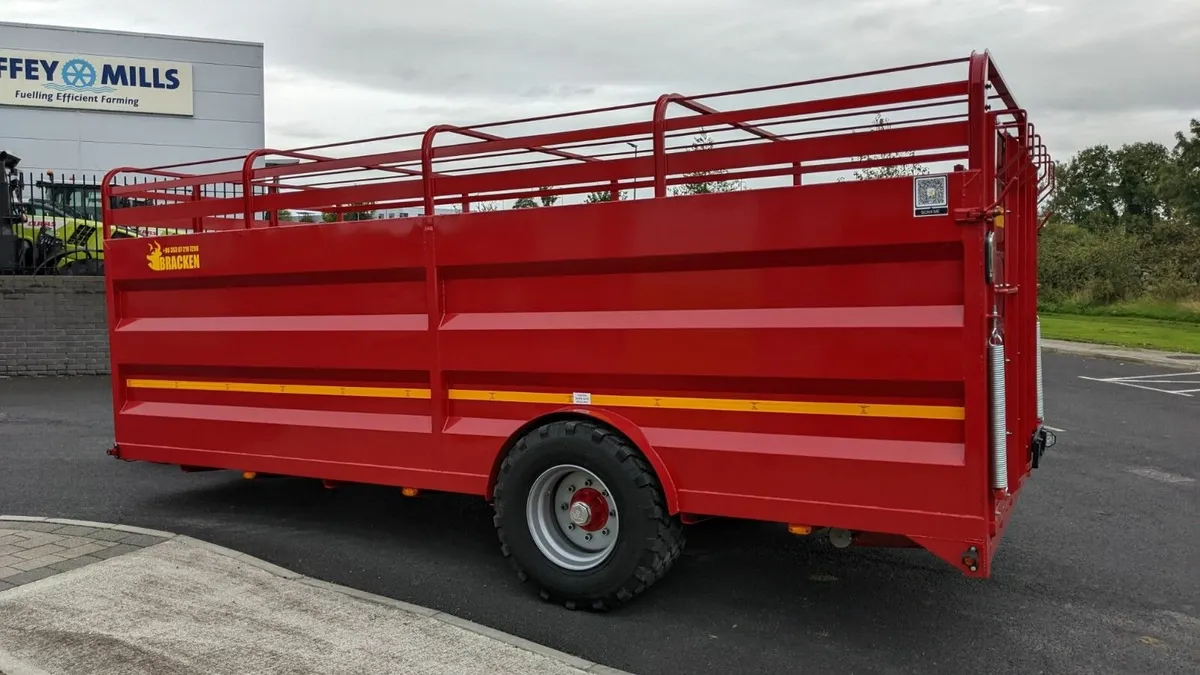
<point>805,354</point>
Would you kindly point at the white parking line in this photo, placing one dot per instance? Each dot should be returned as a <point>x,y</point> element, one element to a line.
<point>1142,377</point>
<point>1171,380</point>
<point>1055,429</point>
<point>1160,475</point>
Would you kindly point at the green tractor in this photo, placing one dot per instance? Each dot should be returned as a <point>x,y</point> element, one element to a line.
<point>82,200</point>
<point>59,233</point>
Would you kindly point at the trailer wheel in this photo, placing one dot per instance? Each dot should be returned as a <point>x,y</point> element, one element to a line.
<point>582,516</point>
<point>88,267</point>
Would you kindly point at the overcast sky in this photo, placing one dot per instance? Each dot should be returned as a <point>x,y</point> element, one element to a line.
<point>1089,71</point>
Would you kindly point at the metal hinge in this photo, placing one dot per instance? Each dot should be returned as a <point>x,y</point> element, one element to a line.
<point>976,215</point>
<point>972,215</point>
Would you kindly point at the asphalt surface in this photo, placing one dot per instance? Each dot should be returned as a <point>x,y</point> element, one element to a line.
<point>1098,572</point>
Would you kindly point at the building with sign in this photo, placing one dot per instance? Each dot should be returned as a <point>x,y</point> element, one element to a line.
<point>79,102</point>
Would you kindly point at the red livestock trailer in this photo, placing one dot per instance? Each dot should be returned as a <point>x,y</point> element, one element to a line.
<point>706,314</point>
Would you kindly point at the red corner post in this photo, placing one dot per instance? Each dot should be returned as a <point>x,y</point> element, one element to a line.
<point>112,309</point>
<point>439,401</point>
<point>248,184</point>
<point>106,197</point>
<point>977,296</point>
<point>660,142</point>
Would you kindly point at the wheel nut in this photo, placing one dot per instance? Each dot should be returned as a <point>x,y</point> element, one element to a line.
<point>571,488</point>
<point>587,537</point>
<point>612,514</point>
<point>571,526</point>
<point>604,492</point>
<point>565,506</point>
<point>588,482</point>
<point>604,532</point>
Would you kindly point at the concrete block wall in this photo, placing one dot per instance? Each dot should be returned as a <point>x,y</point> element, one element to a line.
<point>52,326</point>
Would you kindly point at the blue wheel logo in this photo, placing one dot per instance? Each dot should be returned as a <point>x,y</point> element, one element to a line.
<point>79,74</point>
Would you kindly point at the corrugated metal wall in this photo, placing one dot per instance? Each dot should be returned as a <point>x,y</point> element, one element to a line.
<point>228,107</point>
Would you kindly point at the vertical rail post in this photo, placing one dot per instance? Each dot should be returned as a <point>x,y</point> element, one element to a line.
<point>273,190</point>
<point>428,192</point>
<point>106,197</point>
<point>197,221</point>
<point>439,401</point>
<point>659,143</point>
<point>979,297</point>
<point>977,112</point>
<point>248,185</point>
<point>112,305</point>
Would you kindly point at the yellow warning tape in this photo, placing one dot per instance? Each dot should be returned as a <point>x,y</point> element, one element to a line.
<point>720,404</point>
<point>259,388</point>
<point>603,400</point>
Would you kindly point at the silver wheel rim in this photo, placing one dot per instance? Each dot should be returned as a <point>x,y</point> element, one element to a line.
<point>572,517</point>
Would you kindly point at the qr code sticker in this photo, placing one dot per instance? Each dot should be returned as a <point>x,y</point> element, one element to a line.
<point>929,196</point>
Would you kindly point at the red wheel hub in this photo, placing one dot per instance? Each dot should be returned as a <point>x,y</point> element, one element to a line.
<point>589,510</point>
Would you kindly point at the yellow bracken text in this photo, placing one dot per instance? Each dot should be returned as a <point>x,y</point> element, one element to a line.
<point>173,258</point>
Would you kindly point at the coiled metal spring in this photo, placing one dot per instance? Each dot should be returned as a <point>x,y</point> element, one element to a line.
<point>1041,407</point>
<point>999,415</point>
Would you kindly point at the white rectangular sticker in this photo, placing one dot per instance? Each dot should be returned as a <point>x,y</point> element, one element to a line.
<point>92,82</point>
<point>581,398</point>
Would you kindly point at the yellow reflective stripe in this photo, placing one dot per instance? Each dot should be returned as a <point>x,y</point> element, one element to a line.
<point>511,396</point>
<point>259,388</point>
<point>611,400</point>
<point>722,404</point>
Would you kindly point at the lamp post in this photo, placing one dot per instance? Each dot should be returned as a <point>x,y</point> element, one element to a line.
<point>635,156</point>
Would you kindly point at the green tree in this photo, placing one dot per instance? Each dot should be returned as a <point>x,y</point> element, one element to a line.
<point>1100,188</point>
<point>604,196</point>
<point>287,216</point>
<point>357,214</point>
<point>545,199</point>
<point>308,218</point>
<point>913,168</point>
<point>1126,225</point>
<point>1086,192</point>
<point>706,182</point>
<point>477,207</point>
<point>1181,180</point>
<point>1139,169</point>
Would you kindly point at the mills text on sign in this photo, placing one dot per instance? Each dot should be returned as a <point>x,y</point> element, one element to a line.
<point>88,82</point>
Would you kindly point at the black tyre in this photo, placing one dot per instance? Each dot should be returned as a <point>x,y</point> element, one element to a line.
<point>581,515</point>
<point>88,267</point>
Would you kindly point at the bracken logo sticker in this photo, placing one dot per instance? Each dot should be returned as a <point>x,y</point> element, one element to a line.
<point>173,258</point>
